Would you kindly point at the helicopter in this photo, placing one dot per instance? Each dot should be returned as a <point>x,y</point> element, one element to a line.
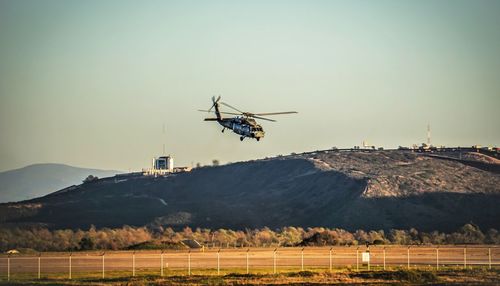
<point>244,123</point>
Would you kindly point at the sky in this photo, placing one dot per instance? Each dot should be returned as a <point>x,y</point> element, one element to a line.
<point>92,83</point>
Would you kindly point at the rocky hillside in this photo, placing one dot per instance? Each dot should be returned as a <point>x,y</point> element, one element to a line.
<point>351,190</point>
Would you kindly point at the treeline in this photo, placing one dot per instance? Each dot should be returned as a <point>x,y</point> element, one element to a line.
<point>42,239</point>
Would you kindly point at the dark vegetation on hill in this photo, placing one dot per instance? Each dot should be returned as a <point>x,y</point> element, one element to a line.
<point>350,190</point>
<point>131,238</point>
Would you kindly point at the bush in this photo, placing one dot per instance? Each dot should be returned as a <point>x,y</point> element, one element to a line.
<point>301,274</point>
<point>411,276</point>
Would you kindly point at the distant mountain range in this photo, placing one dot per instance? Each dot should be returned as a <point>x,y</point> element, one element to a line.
<point>350,190</point>
<point>41,179</point>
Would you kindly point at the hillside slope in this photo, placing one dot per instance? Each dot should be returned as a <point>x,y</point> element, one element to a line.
<point>41,179</point>
<point>352,190</point>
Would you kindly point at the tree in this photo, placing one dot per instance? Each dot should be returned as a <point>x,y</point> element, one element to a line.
<point>469,234</point>
<point>361,236</point>
<point>377,237</point>
<point>398,236</point>
<point>90,179</point>
<point>493,236</point>
<point>86,243</point>
<point>215,162</point>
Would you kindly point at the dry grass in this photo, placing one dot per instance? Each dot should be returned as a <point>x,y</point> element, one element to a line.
<point>284,277</point>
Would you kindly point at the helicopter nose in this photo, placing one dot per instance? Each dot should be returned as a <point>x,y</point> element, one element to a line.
<point>258,134</point>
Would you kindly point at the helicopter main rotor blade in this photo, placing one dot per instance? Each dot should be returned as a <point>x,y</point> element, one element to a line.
<point>263,118</point>
<point>221,112</point>
<point>276,113</point>
<point>223,103</point>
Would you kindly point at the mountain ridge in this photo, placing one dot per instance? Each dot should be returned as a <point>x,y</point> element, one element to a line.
<point>42,178</point>
<point>350,190</point>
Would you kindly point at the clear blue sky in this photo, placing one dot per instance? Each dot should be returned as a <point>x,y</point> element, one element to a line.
<point>91,83</point>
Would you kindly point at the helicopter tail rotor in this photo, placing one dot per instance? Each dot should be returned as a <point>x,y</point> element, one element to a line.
<point>215,102</point>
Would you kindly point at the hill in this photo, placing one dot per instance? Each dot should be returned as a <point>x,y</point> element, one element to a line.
<point>41,179</point>
<point>351,190</point>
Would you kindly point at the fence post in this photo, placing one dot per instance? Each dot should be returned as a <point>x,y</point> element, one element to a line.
<point>39,254</point>
<point>408,254</point>
<point>189,262</point>
<point>489,258</point>
<point>248,265</point>
<point>302,259</point>
<point>330,258</point>
<point>218,262</point>
<point>161,263</point>
<point>384,257</point>
<point>70,265</point>
<point>357,259</point>
<point>465,257</point>
<point>274,261</point>
<point>369,257</point>
<point>133,263</point>
<point>437,258</point>
<point>8,267</point>
<point>103,265</point>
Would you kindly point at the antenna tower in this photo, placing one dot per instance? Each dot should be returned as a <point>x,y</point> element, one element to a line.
<point>429,134</point>
<point>163,139</point>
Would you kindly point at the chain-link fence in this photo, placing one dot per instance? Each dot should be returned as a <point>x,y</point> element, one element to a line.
<point>254,260</point>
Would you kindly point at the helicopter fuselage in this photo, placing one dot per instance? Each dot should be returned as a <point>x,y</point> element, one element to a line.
<point>244,123</point>
<point>246,127</point>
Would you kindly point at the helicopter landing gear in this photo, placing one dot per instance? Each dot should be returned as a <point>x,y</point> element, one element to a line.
<point>241,138</point>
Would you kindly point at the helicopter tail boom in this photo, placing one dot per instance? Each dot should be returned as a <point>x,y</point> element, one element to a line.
<point>216,106</point>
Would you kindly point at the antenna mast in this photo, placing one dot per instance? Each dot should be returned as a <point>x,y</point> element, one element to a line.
<point>429,134</point>
<point>163,139</point>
